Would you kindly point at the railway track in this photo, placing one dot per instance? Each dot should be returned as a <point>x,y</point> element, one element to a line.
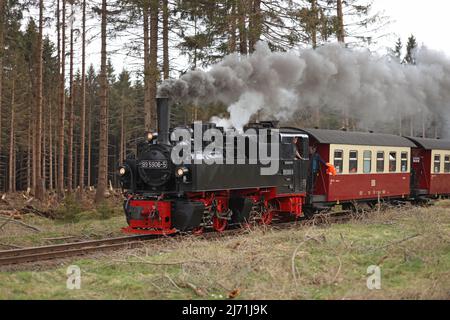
<point>67,250</point>
<point>18,256</point>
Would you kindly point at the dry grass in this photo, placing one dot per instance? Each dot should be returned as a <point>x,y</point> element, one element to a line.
<point>74,218</point>
<point>411,245</point>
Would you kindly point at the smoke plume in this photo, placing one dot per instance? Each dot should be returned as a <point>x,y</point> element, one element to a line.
<point>369,87</point>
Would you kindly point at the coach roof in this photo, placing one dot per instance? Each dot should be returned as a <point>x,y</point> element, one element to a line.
<point>431,144</point>
<point>359,138</point>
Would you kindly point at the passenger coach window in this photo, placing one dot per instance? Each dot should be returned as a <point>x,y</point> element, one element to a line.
<point>404,161</point>
<point>392,161</point>
<point>380,162</point>
<point>339,161</point>
<point>353,162</point>
<point>437,163</point>
<point>447,164</point>
<point>367,161</point>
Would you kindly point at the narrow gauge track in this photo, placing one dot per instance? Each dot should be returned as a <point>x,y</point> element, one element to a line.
<point>17,256</point>
<point>67,250</point>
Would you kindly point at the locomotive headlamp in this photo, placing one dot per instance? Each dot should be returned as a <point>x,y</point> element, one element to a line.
<point>151,136</point>
<point>122,171</point>
<point>181,172</point>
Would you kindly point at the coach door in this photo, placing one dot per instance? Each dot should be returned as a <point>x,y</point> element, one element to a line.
<point>294,161</point>
<point>419,175</point>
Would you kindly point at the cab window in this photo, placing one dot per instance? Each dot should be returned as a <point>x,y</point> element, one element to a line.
<point>404,162</point>
<point>392,161</point>
<point>380,162</point>
<point>339,161</point>
<point>367,161</point>
<point>437,163</point>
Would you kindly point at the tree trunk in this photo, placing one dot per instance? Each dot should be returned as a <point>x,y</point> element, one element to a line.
<point>340,34</point>
<point>55,156</point>
<point>147,71</point>
<point>50,149</point>
<point>166,59</point>
<point>242,28</point>
<point>44,149</point>
<point>33,135</point>
<point>71,115</point>
<point>89,146</point>
<point>62,109</point>
<point>58,32</point>
<point>40,183</point>
<point>255,25</point>
<point>11,187</point>
<point>340,31</point>
<point>14,170</point>
<point>83,99</point>
<point>232,39</point>
<point>122,135</point>
<point>2,15</point>
<point>103,147</point>
<point>314,24</point>
<point>30,132</point>
<point>154,72</point>
<point>75,167</point>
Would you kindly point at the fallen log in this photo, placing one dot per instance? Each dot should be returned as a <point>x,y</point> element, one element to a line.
<point>9,220</point>
<point>32,210</point>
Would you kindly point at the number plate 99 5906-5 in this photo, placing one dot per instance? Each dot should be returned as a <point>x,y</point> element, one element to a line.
<point>154,164</point>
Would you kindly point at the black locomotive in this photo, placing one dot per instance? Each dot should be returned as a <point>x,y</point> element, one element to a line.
<point>164,198</point>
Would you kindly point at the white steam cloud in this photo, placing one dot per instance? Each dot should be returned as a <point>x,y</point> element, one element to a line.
<point>369,87</point>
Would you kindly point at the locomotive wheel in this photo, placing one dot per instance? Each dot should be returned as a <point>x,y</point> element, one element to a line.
<point>267,214</point>
<point>220,224</point>
<point>267,218</point>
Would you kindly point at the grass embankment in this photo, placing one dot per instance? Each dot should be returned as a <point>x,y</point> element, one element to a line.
<point>410,245</point>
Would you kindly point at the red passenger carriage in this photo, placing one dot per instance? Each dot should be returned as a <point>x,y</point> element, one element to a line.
<point>369,167</point>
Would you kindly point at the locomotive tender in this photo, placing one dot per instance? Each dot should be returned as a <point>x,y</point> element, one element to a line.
<point>315,169</point>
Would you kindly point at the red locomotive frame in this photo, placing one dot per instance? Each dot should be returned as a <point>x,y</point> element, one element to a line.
<point>157,214</point>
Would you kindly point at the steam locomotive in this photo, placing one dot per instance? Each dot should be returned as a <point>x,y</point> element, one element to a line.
<point>316,169</point>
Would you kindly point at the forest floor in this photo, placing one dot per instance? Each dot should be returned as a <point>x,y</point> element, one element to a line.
<point>411,246</point>
<point>27,222</point>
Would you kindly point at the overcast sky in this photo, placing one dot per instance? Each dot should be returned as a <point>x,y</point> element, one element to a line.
<point>427,20</point>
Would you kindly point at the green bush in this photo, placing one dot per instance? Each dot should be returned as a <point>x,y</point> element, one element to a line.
<point>105,211</point>
<point>69,210</point>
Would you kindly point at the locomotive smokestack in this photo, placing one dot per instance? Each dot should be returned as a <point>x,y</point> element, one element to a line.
<point>163,120</point>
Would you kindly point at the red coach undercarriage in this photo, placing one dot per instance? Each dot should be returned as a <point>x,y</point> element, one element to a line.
<point>155,217</point>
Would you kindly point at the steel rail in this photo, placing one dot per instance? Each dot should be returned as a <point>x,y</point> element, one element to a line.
<point>34,254</point>
<point>38,254</point>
